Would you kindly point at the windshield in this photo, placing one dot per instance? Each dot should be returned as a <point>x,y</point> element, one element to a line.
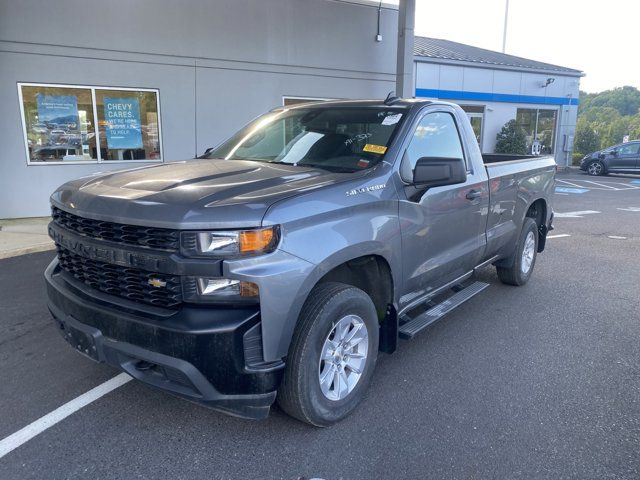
<point>343,139</point>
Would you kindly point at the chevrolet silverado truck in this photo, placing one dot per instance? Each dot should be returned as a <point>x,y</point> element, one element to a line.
<point>279,264</point>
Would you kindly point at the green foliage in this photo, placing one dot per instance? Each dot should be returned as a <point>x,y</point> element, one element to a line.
<point>626,100</point>
<point>587,139</point>
<point>605,118</point>
<point>511,139</point>
<point>575,158</point>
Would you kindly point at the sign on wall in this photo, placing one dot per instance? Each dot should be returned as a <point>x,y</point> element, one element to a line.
<point>122,116</point>
<point>58,111</point>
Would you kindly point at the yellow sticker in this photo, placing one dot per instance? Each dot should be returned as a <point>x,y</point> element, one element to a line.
<point>370,147</point>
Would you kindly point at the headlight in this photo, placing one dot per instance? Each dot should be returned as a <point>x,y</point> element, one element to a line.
<point>234,243</point>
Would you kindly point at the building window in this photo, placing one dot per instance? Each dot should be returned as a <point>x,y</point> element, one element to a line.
<point>476,118</point>
<point>539,127</point>
<point>60,124</point>
<point>128,124</point>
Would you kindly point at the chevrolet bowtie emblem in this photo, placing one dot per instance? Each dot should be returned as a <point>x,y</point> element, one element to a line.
<point>157,283</point>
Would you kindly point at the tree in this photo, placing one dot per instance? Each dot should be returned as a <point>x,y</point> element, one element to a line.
<point>626,100</point>
<point>587,140</point>
<point>610,115</point>
<point>511,139</point>
<point>616,130</point>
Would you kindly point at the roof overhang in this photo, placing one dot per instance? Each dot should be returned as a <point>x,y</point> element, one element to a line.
<point>495,66</point>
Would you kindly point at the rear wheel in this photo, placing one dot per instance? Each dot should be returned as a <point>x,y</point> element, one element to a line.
<point>595,168</point>
<point>525,256</point>
<point>332,355</point>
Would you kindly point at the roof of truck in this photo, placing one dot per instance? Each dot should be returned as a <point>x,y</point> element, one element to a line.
<point>399,102</point>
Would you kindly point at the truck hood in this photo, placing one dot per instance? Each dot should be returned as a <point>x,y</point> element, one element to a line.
<point>191,194</point>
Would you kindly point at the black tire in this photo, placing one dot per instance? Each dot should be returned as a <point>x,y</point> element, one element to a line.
<point>300,394</point>
<point>595,168</point>
<point>515,275</point>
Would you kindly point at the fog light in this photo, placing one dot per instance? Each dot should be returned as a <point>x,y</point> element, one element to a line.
<point>224,290</point>
<point>218,286</point>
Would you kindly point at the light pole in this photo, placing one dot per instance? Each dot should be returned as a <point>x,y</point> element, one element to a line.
<point>506,18</point>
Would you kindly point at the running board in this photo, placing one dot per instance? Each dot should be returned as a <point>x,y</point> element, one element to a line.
<point>435,313</point>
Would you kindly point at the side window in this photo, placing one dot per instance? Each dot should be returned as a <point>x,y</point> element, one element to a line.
<point>435,136</point>
<point>630,149</point>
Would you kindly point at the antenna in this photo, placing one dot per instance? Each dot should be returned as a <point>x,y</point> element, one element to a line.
<point>391,98</point>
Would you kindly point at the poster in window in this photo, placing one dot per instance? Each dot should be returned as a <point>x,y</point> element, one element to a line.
<point>122,117</point>
<point>58,112</point>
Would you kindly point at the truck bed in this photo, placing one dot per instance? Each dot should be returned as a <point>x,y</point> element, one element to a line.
<point>506,157</point>
<point>525,166</point>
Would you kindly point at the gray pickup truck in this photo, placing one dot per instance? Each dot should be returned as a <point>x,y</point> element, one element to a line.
<point>280,263</point>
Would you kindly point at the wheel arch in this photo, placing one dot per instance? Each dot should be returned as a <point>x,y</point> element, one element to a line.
<point>538,211</point>
<point>366,266</point>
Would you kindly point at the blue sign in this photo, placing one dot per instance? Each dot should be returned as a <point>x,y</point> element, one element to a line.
<point>122,116</point>
<point>58,111</point>
<point>571,190</point>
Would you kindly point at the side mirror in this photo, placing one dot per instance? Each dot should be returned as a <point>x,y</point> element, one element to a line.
<point>614,152</point>
<point>439,171</point>
<point>207,151</point>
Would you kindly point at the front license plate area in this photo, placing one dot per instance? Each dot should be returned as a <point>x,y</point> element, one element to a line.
<point>83,342</point>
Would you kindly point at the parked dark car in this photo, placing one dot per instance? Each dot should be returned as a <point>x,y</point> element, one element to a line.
<point>623,158</point>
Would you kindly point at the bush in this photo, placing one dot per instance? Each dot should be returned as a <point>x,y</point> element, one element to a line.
<point>511,139</point>
<point>575,158</point>
<point>587,140</point>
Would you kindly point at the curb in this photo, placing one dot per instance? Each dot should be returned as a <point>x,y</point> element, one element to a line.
<point>26,250</point>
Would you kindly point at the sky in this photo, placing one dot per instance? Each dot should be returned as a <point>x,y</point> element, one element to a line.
<point>599,38</point>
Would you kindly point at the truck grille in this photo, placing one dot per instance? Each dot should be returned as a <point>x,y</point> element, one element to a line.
<point>126,282</point>
<point>150,237</point>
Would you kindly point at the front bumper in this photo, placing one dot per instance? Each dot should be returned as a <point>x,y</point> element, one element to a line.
<point>202,354</point>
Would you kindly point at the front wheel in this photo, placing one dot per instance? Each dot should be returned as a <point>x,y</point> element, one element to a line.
<point>525,256</point>
<point>596,168</point>
<point>332,356</point>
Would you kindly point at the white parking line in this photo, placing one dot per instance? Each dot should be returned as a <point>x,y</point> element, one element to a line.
<point>630,209</point>
<point>570,183</point>
<point>578,214</point>
<point>22,436</point>
<point>601,185</point>
<point>561,235</point>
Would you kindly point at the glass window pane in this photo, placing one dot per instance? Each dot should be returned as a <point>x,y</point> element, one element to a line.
<point>128,123</point>
<point>526,120</point>
<point>629,149</point>
<point>546,130</point>
<point>435,136</point>
<point>59,124</point>
<point>473,108</point>
<point>334,138</point>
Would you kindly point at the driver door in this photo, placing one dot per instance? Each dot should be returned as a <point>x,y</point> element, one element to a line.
<point>442,228</point>
<point>626,157</point>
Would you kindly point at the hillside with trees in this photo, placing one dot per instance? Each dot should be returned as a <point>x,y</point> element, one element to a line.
<point>605,118</point>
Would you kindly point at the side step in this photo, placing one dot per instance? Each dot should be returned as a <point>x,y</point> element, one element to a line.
<point>422,321</point>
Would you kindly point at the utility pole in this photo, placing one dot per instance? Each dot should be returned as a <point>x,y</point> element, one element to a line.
<point>506,18</point>
<point>404,74</point>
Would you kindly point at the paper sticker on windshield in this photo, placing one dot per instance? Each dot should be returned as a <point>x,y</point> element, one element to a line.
<point>370,147</point>
<point>391,119</point>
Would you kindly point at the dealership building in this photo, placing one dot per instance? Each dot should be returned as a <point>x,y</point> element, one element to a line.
<point>125,84</point>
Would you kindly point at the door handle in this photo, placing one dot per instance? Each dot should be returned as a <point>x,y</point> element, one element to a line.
<point>473,194</point>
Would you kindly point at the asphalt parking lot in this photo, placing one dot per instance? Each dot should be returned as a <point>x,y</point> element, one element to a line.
<point>541,381</point>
